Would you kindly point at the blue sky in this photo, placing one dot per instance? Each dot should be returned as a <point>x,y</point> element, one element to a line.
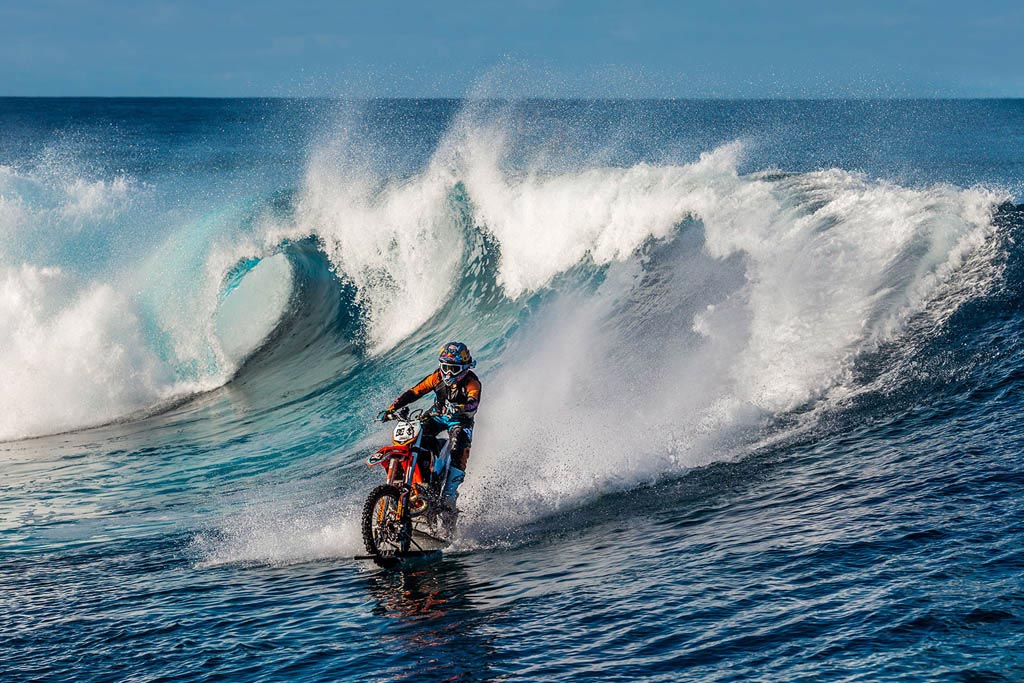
<point>783,48</point>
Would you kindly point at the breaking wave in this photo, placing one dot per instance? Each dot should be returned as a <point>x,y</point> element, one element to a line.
<point>631,320</point>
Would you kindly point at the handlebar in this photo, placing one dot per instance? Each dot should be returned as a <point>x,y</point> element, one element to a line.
<point>405,414</point>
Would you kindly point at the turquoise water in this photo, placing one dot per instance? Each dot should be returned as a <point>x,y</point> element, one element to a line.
<point>751,387</point>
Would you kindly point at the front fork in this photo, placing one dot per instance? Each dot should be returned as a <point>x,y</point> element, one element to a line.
<point>404,484</point>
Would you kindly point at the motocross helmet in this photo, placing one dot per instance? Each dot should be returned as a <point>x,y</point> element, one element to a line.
<point>455,361</point>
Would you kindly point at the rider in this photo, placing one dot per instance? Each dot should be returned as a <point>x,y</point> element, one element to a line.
<point>456,397</point>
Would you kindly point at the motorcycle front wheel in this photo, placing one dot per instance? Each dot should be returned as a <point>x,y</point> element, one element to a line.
<point>385,534</point>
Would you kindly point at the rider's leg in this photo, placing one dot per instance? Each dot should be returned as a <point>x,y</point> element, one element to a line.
<point>462,438</point>
<point>462,441</point>
<point>451,488</point>
<point>431,428</point>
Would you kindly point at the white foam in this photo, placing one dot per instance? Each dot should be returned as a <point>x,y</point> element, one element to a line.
<point>71,354</point>
<point>602,395</point>
<point>280,534</point>
<point>547,223</point>
<point>49,204</point>
<point>86,346</point>
<point>84,199</point>
<point>397,241</point>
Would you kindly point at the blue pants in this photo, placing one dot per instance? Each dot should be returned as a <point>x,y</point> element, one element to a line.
<point>460,431</point>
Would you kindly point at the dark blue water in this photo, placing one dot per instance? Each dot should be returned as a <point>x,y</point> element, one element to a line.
<point>752,388</point>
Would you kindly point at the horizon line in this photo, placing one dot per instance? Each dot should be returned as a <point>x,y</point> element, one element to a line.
<point>457,98</point>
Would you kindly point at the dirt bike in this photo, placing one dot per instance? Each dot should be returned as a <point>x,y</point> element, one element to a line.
<point>404,517</point>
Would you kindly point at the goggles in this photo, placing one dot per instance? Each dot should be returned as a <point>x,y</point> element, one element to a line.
<point>450,369</point>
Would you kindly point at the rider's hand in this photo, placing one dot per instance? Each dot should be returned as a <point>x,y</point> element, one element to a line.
<point>385,415</point>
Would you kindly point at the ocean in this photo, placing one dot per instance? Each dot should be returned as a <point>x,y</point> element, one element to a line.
<point>753,380</point>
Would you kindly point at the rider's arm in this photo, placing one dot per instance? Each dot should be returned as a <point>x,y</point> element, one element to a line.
<point>467,409</point>
<point>426,385</point>
<point>473,395</point>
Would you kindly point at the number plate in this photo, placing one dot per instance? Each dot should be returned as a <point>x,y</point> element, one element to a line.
<point>406,432</point>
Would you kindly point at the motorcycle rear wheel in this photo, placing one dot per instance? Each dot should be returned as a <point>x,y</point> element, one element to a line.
<point>385,535</point>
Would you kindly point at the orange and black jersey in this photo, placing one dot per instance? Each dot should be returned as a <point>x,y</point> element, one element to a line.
<point>465,393</point>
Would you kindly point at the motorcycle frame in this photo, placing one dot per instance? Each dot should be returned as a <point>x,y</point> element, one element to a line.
<point>401,463</point>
